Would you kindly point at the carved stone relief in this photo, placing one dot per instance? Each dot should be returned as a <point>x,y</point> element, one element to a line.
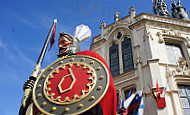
<point>182,69</point>
<point>172,33</point>
<point>147,34</point>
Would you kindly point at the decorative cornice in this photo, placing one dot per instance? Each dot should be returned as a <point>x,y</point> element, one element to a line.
<point>150,17</point>
<point>153,61</point>
<point>124,76</point>
<point>171,32</point>
<point>146,17</point>
<point>123,81</point>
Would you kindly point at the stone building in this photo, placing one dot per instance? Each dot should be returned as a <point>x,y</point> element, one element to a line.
<point>145,48</point>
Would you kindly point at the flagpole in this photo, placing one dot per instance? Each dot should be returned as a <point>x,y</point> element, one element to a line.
<point>28,85</point>
<point>43,51</point>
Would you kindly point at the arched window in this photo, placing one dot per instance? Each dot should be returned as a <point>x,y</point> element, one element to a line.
<point>114,59</point>
<point>127,55</point>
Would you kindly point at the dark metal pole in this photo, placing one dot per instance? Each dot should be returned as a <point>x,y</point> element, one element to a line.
<point>28,86</point>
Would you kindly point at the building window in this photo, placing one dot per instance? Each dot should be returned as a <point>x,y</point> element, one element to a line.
<point>174,53</point>
<point>132,90</point>
<point>119,34</point>
<point>114,59</point>
<point>184,93</point>
<point>127,55</point>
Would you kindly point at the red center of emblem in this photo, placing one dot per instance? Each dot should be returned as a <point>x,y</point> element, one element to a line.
<point>70,81</point>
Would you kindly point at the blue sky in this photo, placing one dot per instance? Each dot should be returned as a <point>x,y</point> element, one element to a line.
<point>24,26</point>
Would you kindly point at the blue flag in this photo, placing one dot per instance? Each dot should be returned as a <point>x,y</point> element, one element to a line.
<point>129,94</point>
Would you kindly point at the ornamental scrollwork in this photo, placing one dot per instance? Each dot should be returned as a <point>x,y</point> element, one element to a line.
<point>182,69</point>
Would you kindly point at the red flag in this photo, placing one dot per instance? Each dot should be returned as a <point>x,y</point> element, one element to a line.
<point>52,40</point>
<point>133,91</point>
<point>161,103</point>
<point>157,87</point>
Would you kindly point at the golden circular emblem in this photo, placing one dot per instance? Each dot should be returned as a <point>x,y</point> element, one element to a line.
<point>68,79</point>
<point>71,85</point>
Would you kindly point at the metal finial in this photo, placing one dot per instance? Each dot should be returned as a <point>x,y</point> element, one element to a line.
<point>103,24</point>
<point>116,16</point>
<point>55,20</point>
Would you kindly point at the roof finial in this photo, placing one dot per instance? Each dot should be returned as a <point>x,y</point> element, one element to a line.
<point>103,25</point>
<point>116,16</point>
<point>132,11</point>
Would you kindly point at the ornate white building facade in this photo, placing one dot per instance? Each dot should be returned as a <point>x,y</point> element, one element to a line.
<point>145,48</point>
